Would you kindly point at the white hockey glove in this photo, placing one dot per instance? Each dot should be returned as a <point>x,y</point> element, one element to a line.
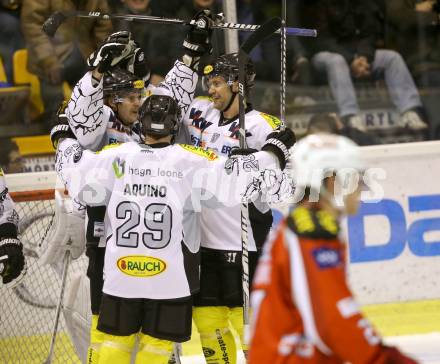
<point>67,232</point>
<point>12,262</point>
<point>198,39</point>
<point>117,47</point>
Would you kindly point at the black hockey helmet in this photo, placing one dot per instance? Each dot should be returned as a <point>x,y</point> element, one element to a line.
<point>160,116</point>
<point>227,66</point>
<point>119,82</point>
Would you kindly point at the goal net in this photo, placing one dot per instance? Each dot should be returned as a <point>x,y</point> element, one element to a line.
<point>27,312</point>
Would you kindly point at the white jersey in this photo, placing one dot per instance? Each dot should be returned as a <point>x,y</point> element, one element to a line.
<point>95,124</point>
<point>153,198</point>
<point>8,215</point>
<point>221,228</point>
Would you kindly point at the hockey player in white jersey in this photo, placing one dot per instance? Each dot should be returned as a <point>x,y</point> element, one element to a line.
<point>103,110</point>
<point>153,195</point>
<point>12,262</point>
<point>213,125</point>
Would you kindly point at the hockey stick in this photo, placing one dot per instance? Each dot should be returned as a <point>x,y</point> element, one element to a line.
<point>52,23</point>
<point>262,33</point>
<point>283,64</point>
<point>66,261</point>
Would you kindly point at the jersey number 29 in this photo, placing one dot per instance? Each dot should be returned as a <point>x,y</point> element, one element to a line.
<point>158,221</point>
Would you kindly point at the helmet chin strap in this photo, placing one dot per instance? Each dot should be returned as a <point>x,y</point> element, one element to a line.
<point>231,100</point>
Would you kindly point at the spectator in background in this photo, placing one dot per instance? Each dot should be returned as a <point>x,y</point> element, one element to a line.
<point>331,123</point>
<point>345,50</point>
<point>11,160</point>
<point>414,27</point>
<point>11,37</point>
<point>63,57</point>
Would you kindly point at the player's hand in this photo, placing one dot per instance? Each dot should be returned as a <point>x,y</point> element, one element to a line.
<point>279,143</point>
<point>198,39</point>
<point>138,65</point>
<point>394,356</point>
<point>12,263</point>
<point>117,47</point>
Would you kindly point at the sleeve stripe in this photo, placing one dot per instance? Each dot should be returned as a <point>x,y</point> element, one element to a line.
<point>301,293</point>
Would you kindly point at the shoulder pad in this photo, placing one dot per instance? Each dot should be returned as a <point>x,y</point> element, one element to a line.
<point>273,121</point>
<point>317,224</point>
<point>109,146</point>
<point>211,156</point>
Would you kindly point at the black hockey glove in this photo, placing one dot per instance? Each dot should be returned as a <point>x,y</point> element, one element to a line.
<point>241,151</point>
<point>198,39</point>
<point>279,143</point>
<point>12,263</point>
<point>138,65</point>
<point>62,129</point>
<point>117,47</point>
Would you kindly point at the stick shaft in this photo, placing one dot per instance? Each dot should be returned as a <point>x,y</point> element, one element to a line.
<point>283,65</point>
<point>303,32</point>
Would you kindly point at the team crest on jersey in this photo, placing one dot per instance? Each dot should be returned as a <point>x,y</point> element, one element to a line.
<point>141,266</point>
<point>273,121</point>
<point>235,131</point>
<point>197,120</point>
<point>327,257</point>
<point>118,167</point>
<point>199,151</point>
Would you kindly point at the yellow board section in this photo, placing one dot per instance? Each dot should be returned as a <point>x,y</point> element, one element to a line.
<point>273,121</point>
<point>199,151</point>
<point>395,319</point>
<point>33,145</point>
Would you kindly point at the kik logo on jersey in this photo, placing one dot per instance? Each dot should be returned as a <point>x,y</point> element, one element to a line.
<point>141,266</point>
<point>197,120</point>
<point>235,131</point>
<point>118,167</point>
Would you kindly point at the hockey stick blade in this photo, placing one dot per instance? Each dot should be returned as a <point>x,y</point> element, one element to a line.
<point>267,29</point>
<point>52,23</point>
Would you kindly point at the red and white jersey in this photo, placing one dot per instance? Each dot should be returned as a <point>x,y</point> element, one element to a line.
<point>95,124</point>
<point>221,228</point>
<point>154,197</point>
<point>8,215</point>
<point>303,309</point>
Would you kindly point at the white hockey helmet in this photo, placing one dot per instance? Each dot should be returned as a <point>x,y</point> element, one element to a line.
<point>320,155</point>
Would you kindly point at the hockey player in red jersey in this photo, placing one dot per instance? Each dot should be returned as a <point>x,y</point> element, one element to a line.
<point>304,311</point>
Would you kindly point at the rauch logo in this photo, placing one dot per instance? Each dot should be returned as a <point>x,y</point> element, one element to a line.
<point>141,266</point>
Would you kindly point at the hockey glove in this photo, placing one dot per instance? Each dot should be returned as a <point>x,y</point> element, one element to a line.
<point>117,47</point>
<point>138,65</point>
<point>12,263</point>
<point>279,143</point>
<point>62,129</point>
<point>198,39</point>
